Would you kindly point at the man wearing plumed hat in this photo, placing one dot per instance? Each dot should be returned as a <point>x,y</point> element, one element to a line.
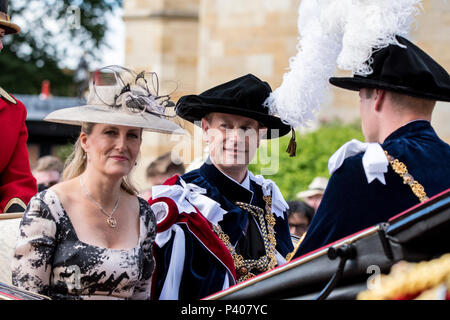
<point>220,224</point>
<point>17,184</point>
<point>403,161</point>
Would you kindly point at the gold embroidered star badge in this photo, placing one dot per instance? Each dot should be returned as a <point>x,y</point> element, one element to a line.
<point>6,96</point>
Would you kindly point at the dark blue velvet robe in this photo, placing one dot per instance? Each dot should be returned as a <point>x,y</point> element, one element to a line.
<point>350,204</point>
<point>203,275</point>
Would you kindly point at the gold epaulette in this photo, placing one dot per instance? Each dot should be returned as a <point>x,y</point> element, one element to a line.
<point>5,95</point>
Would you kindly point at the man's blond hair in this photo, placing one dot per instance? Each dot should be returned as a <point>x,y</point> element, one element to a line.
<point>403,101</point>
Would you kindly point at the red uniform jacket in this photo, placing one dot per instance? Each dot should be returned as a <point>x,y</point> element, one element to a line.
<point>17,184</point>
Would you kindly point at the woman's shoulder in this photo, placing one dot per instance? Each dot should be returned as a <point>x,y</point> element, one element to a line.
<point>42,198</point>
<point>146,212</point>
<point>144,206</point>
<point>44,204</point>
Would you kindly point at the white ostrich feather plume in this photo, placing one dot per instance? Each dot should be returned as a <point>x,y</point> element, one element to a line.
<point>336,34</point>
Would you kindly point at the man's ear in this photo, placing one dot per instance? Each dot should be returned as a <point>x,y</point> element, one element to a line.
<point>262,132</point>
<point>379,99</point>
<point>205,128</point>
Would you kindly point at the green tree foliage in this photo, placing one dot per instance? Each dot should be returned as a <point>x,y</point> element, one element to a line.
<point>313,151</point>
<point>53,33</point>
<point>64,151</point>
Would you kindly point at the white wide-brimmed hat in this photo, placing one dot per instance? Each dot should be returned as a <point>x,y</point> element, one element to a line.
<point>317,186</point>
<point>123,98</point>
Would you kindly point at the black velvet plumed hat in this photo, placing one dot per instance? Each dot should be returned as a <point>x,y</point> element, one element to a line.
<point>243,96</point>
<point>408,70</point>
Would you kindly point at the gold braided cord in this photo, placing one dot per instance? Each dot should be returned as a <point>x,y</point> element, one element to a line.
<point>409,279</point>
<point>290,255</point>
<point>264,263</point>
<point>435,292</point>
<point>400,168</point>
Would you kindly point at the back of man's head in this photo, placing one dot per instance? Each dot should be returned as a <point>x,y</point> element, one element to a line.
<point>406,104</point>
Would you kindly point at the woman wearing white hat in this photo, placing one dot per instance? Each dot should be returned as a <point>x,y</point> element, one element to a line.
<point>91,237</point>
<point>313,196</point>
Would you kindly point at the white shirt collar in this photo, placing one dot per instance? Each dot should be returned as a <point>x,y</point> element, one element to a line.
<point>245,183</point>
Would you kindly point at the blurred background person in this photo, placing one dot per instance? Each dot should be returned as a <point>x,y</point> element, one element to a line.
<point>313,196</point>
<point>17,184</point>
<point>160,170</point>
<point>48,172</point>
<point>300,215</point>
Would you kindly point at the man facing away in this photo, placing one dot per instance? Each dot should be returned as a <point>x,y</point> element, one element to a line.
<point>219,225</point>
<point>367,185</point>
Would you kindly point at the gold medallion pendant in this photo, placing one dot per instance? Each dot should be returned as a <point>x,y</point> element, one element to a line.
<point>112,222</point>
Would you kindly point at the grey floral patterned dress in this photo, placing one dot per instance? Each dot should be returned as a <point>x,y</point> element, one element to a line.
<point>50,259</point>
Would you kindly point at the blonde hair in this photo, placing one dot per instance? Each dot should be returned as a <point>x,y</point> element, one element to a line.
<point>402,101</point>
<point>406,102</point>
<point>75,164</point>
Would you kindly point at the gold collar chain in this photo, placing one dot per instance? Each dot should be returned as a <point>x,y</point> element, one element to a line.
<point>264,263</point>
<point>400,168</point>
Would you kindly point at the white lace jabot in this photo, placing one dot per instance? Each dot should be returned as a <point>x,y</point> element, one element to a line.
<point>374,159</point>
